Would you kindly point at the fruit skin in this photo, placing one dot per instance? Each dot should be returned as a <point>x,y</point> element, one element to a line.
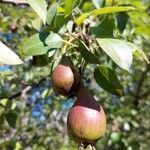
<point>86,120</point>
<point>65,78</point>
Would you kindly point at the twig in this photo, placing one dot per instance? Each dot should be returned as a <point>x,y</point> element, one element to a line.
<point>26,89</point>
<point>140,84</point>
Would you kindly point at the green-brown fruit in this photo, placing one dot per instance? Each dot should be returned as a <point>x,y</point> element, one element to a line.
<point>86,120</point>
<point>65,78</point>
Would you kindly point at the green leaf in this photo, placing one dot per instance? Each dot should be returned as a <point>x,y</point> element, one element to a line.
<point>3,102</point>
<point>87,54</point>
<point>40,60</point>
<point>37,23</point>
<point>121,52</point>
<point>103,11</point>
<point>102,30</point>
<point>54,41</point>
<point>40,7</point>
<point>107,79</point>
<point>11,118</point>
<point>1,119</point>
<point>59,21</point>
<point>69,5</point>
<point>113,9</point>
<point>122,19</point>
<point>40,43</point>
<point>51,13</point>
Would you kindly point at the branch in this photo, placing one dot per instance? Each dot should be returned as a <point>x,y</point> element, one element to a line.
<point>147,93</point>
<point>140,84</point>
<point>26,89</point>
<point>16,2</point>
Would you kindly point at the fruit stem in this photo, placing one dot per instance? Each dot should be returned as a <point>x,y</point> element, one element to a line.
<point>88,147</point>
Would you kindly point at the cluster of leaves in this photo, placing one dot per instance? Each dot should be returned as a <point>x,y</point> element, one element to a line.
<point>68,26</point>
<point>98,36</point>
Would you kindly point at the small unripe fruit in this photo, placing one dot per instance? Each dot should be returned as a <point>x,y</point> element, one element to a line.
<point>65,78</point>
<point>86,120</point>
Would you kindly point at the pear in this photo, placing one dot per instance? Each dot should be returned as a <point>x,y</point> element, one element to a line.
<point>86,122</point>
<point>66,79</point>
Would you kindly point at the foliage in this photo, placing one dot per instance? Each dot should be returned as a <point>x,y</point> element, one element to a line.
<point>101,37</point>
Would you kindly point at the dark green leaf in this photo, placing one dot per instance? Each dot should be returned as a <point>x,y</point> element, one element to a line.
<point>104,28</point>
<point>122,19</point>
<point>51,14</point>
<point>107,79</point>
<point>1,119</point>
<point>59,21</point>
<point>87,54</point>
<point>11,118</point>
<point>40,60</point>
<point>40,43</point>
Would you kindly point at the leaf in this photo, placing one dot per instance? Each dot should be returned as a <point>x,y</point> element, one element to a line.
<point>54,40</point>
<point>8,57</point>
<point>1,120</point>
<point>113,9</point>
<point>98,3</point>
<point>80,20</point>
<point>40,60</point>
<point>122,19</point>
<point>87,54</point>
<point>121,52</point>
<point>70,26</point>
<point>11,118</point>
<point>40,43</point>
<point>59,21</point>
<point>103,11</point>
<point>51,13</point>
<point>3,102</point>
<point>69,5</point>
<point>40,7</point>
<point>37,23</point>
<point>107,79</point>
<point>102,30</point>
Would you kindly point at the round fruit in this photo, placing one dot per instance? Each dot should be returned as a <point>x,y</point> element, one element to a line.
<point>65,78</point>
<point>86,120</point>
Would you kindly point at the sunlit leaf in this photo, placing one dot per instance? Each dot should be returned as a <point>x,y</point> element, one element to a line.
<point>3,102</point>
<point>40,7</point>
<point>7,56</point>
<point>37,23</point>
<point>118,50</point>
<point>102,11</point>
